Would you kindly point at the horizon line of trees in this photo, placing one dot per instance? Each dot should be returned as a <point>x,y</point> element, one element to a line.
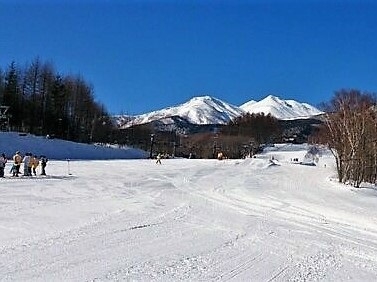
<point>42,101</point>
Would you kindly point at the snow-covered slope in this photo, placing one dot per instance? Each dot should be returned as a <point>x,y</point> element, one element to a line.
<point>198,110</point>
<point>248,104</point>
<point>10,142</point>
<point>188,220</point>
<point>281,109</point>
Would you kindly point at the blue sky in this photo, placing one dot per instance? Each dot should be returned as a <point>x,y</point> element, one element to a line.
<point>146,55</point>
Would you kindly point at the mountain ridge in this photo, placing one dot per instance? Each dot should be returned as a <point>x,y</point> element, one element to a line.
<point>202,110</point>
<point>281,109</point>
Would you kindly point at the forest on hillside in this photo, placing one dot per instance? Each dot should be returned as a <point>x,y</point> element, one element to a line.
<point>37,99</point>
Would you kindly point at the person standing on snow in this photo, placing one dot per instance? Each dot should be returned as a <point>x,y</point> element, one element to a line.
<point>44,161</point>
<point>34,164</point>
<point>3,161</point>
<point>158,159</point>
<point>17,160</point>
<point>30,165</point>
<point>26,162</point>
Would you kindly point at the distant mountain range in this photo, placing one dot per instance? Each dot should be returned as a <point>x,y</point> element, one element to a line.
<point>206,110</point>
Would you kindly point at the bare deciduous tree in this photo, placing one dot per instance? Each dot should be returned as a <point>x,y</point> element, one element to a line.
<point>351,135</point>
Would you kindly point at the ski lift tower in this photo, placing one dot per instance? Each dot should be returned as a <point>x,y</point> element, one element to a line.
<point>4,118</point>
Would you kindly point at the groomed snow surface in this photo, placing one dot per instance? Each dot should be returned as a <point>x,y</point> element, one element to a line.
<point>191,220</point>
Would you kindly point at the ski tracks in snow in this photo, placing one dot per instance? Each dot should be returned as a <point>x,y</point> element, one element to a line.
<point>181,223</point>
<point>320,260</point>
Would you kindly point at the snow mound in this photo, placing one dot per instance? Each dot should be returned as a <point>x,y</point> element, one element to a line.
<point>260,163</point>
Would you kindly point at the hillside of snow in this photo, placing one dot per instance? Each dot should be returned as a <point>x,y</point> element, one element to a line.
<point>266,218</point>
<point>281,109</point>
<point>10,142</point>
<point>247,105</point>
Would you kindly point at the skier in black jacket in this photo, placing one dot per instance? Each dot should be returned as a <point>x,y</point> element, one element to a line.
<point>44,161</point>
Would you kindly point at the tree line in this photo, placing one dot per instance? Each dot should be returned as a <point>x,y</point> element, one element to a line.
<point>241,137</point>
<point>42,101</point>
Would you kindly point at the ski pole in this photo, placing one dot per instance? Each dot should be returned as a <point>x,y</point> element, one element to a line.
<point>69,170</point>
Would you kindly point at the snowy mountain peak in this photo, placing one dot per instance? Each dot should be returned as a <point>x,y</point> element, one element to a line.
<point>206,101</point>
<point>272,98</point>
<point>202,100</point>
<point>274,101</point>
<point>281,109</point>
<point>198,110</point>
<point>209,110</point>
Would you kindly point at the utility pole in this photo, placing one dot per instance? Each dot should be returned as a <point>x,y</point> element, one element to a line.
<point>174,149</point>
<point>215,147</point>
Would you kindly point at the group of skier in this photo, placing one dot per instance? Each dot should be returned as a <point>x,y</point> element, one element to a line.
<point>30,163</point>
<point>3,161</point>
